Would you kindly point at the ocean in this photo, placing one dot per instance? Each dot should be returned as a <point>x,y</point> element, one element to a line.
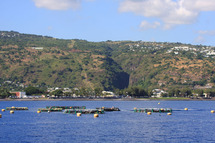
<point>125,126</point>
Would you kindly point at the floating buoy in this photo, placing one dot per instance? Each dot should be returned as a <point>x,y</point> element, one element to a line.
<point>38,111</point>
<point>0,116</point>
<point>135,109</point>
<point>212,111</point>
<point>11,112</point>
<point>96,115</point>
<point>185,109</point>
<point>78,114</point>
<point>169,113</point>
<point>103,107</point>
<point>159,103</point>
<point>149,113</point>
<point>2,110</point>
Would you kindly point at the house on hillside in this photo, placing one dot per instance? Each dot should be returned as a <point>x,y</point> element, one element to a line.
<point>108,94</point>
<point>67,90</point>
<point>207,86</point>
<point>158,93</point>
<point>37,48</point>
<point>50,89</point>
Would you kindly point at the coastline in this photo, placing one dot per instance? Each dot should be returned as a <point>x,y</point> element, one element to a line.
<point>101,99</point>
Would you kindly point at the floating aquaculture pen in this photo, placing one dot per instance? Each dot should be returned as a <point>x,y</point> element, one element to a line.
<point>156,110</point>
<point>67,107</point>
<point>16,108</point>
<point>109,109</point>
<point>50,109</point>
<point>84,111</point>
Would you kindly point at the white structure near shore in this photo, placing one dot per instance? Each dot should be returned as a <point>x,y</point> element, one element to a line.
<point>158,93</point>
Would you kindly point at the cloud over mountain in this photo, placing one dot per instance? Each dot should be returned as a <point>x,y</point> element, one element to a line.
<point>146,25</point>
<point>170,12</point>
<point>58,4</point>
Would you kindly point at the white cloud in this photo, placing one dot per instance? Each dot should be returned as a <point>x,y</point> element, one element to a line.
<point>146,25</point>
<point>171,12</point>
<point>207,32</point>
<point>50,28</point>
<point>200,40</point>
<point>203,35</point>
<point>58,4</point>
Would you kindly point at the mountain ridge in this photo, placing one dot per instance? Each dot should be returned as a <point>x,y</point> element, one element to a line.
<point>46,61</point>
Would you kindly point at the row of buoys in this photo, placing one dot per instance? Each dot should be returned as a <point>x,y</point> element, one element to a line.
<point>11,111</point>
<point>186,109</point>
<point>95,115</point>
<point>212,111</point>
<point>78,114</point>
<point>3,110</point>
<point>149,113</point>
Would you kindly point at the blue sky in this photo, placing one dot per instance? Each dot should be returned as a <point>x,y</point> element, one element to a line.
<point>186,21</point>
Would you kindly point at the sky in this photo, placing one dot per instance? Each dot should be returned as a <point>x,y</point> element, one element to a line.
<point>185,21</point>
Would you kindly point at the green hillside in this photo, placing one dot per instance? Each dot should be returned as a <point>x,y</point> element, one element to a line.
<point>49,62</point>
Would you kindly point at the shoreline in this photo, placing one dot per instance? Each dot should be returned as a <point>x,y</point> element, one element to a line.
<point>121,99</point>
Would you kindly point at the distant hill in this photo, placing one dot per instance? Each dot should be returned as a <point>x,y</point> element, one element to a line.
<point>28,59</point>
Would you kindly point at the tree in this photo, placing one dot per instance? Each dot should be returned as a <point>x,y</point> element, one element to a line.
<point>32,90</point>
<point>83,91</point>
<point>186,92</point>
<point>57,92</point>
<point>136,91</point>
<point>67,94</point>
<point>171,92</point>
<point>98,91</point>
<point>4,93</point>
<point>199,92</point>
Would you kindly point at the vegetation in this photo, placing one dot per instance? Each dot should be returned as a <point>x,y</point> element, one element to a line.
<point>135,66</point>
<point>58,92</point>
<point>4,93</point>
<point>32,90</point>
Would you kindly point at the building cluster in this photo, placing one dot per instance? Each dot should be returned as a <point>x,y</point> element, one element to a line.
<point>19,94</point>
<point>156,93</point>
<point>206,51</point>
<point>17,84</point>
<point>153,46</point>
<point>9,35</point>
<point>75,92</point>
<point>144,48</point>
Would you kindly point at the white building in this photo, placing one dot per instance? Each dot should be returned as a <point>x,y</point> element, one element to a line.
<point>108,93</point>
<point>37,48</point>
<point>158,93</point>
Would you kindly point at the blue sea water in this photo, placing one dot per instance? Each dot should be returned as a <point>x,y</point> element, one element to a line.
<point>195,125</point>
